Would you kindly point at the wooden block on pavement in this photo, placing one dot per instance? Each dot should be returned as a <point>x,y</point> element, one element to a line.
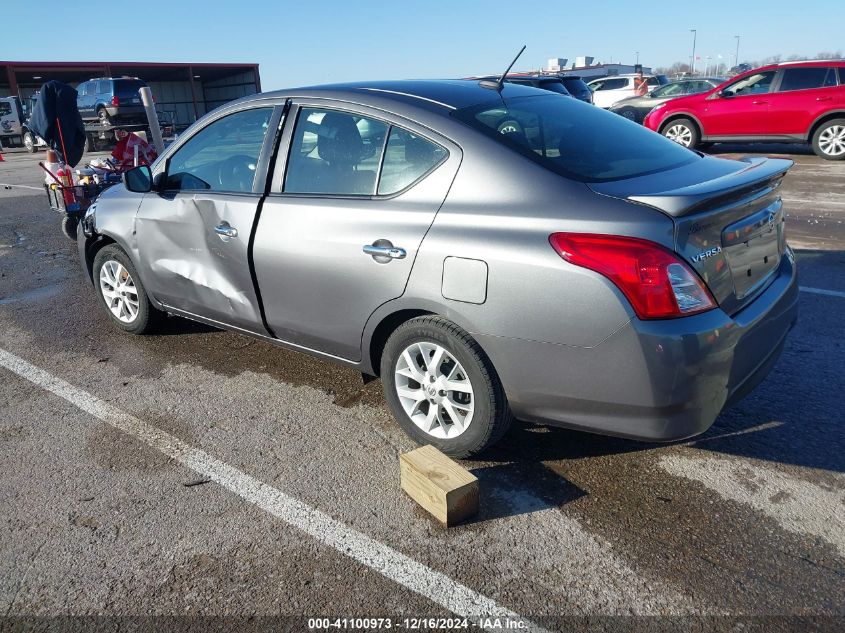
<point>440,485</point>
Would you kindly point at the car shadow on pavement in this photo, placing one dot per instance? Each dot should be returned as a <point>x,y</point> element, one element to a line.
<point>504,493</point>
<point>176,326</point>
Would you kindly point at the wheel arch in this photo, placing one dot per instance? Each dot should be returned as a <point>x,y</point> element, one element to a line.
<point>94,245</point>
<point>682,115</point>
<point>821,120</point>
<point>384,321</point>
<point>382,331</point>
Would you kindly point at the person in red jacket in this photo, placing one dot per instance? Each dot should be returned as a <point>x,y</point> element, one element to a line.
<point>640,84</point>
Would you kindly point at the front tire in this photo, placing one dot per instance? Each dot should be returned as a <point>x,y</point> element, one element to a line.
<point>683,132</point>
<point>121,292</point>
<point>442,388</point>
<point>630,114</point>
<point>829,140</point>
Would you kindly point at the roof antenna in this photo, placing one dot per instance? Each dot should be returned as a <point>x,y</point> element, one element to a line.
<point>497,84</point>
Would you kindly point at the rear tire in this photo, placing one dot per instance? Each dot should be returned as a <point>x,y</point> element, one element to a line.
<point>829,140</point>
<point>103,117</point>
<point>457,401</point>
<point>29,142</point>
<point>121,293</point>
<point>683,132</point>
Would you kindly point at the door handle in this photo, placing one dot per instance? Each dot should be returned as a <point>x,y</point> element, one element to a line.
<point>390,252</point>
<point>759,102</point>
<point>824,98</point>
<point>224,231</point>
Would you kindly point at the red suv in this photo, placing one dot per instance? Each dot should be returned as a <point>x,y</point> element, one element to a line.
<point>789,102</point>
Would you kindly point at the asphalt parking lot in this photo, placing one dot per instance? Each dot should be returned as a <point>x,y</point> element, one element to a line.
<point>201,473</point>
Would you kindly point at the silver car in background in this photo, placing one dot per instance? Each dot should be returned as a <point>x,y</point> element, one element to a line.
<point>488,253</point>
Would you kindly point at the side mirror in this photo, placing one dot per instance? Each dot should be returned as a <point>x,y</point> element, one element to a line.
<point>726,93</point>
<point>138,179</point>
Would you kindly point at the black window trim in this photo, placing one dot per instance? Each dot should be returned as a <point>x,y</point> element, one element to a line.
<point>263,158</point>
<point>306,104</point>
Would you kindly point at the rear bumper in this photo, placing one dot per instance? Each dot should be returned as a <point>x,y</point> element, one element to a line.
<point>127,112</point>
<point>651,380</point>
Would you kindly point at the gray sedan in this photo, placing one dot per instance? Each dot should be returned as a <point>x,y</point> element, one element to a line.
<point>488,253</point>
<point>635,108</point>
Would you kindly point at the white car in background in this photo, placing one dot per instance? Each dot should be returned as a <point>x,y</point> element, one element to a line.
<point>609,90</point>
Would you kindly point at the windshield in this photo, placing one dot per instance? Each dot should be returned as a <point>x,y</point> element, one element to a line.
<point>575,139</point>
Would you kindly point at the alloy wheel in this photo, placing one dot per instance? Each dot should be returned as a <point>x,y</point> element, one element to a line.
<point>434,390</point>
<point>681,134</point>
<point>832,140</point>
<point>119,291</point>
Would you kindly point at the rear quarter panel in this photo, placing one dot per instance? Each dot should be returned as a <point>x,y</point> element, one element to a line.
<point>501,210</point>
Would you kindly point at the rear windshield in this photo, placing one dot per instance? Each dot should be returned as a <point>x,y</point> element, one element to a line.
<point>554,86</point>
<point>128,86</point>
<point>575,139</point>
<point>576,85</point>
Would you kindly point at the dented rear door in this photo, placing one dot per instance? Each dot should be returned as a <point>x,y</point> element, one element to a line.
<point>193,236</point>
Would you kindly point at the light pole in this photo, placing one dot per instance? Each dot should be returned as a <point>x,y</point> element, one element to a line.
<point>692,59</point>
<point>638,57</point>
<point>736,60</point>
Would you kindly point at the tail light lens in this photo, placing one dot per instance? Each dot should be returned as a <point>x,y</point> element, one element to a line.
<point>115,101</point>
<point>656,282</point>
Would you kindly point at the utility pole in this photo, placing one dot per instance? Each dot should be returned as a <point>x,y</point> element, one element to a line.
<point>638,57</point>
<point>692,59</point>
<point>736,62</point>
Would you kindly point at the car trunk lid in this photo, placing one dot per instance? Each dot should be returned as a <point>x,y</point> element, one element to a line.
<point>729,220</point>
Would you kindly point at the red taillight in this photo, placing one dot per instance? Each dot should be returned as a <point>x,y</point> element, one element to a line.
<point>115,101</point>
<point>656,282</point>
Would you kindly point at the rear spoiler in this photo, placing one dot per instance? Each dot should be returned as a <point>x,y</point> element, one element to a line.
<point>713,185</point>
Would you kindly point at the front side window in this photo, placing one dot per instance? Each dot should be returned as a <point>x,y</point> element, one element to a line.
<point>756,83</point>
<point>222,156</point>
<point>334,152</point>
<point>407,158</point>
<point>574,139</point>
<point>807,78</point>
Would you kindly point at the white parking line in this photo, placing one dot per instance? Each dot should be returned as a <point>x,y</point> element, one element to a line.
<point>822,291</point>
<point>3,184</point>
<point>395,566</point>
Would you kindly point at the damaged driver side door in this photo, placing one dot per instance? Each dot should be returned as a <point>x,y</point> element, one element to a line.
<point>193,231</point>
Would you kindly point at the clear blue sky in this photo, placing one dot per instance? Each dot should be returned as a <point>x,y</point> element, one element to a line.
<point>300,43</point>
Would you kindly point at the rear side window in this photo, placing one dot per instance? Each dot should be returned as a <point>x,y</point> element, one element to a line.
<point>103,87</point>
<point>806,78</point>
<point>671,90</point>
<point>407,158</point>
<point>613,84</point>
<point>5,108</point>
<point>575,139</point>
<point>334,152</point>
